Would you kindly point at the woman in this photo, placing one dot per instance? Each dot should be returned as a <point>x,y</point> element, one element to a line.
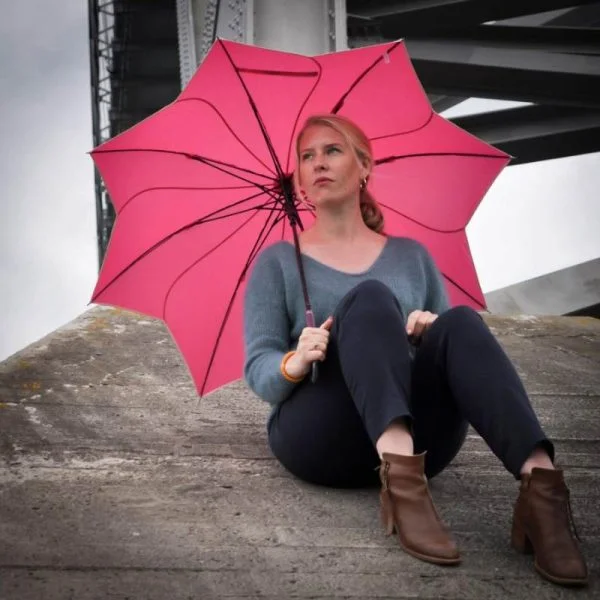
<point>401,375</point>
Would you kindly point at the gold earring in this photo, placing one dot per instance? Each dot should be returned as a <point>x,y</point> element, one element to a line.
<point>363,183</point>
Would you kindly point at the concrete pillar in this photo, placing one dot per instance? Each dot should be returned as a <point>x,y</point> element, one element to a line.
<point>307,27</point>
<point>304,26</point>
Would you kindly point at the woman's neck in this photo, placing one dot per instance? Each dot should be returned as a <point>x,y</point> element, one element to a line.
<point>337,227</point>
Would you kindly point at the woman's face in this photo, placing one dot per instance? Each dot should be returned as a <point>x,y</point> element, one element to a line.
<point>328,169</point>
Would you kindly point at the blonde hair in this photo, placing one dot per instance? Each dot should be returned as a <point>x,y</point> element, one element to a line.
<point>360,144</point>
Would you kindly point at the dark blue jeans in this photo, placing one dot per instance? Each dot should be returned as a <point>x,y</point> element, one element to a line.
<point>325,432</point>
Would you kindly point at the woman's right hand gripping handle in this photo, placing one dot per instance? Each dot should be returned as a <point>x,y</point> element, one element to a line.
<point>312,346</point>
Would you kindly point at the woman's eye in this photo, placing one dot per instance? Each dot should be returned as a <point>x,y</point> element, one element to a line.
<point>333,149</point>
<point>305,156</point>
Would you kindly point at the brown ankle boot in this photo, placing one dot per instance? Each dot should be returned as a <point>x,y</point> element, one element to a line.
<point>542,525</point>
<point>407,507</point>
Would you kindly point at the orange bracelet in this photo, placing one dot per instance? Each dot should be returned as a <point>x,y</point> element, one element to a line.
<point>285,373</point>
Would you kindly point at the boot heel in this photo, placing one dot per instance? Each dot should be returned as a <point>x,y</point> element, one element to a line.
<point>519,540</point>
<point>387,514</point>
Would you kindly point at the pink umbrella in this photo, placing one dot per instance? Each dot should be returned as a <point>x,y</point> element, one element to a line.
<point>203,185</point>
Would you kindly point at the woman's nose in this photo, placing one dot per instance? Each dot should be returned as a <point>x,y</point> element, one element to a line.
<point>320,164</point>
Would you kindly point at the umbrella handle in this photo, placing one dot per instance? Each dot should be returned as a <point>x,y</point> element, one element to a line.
<point>314,367</point>
<point>314,372</point>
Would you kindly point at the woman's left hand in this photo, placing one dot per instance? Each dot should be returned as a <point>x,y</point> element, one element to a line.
<point>419,321</point>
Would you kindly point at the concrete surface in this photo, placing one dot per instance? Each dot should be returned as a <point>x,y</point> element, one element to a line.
<point>116,483</point>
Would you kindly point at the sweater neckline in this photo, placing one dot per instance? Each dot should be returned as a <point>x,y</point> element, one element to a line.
<point>346,273</point>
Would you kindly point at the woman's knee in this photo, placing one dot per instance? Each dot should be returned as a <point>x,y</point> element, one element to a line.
<point>370,295</point>
<point>460,317</point>
<point>371,286</point>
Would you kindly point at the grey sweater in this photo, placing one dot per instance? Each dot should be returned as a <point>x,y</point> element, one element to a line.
<point>274,311</point>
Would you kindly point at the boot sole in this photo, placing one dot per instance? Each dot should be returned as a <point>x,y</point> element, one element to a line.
<point>445,562</point>
<point>560,580</point>
<point>391,528</point>
<point>436,560</point>
<point>521,543</point>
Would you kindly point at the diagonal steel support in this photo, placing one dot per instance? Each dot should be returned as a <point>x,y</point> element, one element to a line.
<point>567,40</point>
<point>462,68</point>
<point>533,133</point>
<point>405,18</point>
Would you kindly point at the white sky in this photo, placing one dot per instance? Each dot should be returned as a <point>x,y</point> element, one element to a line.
<point>537,218</point>
<point>47,214</point>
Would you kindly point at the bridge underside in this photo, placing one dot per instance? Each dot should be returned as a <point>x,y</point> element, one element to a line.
<point>502,50</point>
<point>542,52</point>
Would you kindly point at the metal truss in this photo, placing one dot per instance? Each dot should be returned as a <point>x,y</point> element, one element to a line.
<point>101,35</point>
<point>209,30</point>
<point>188,60</point>
<point>407,17</point>
<point>544,52</point>
<point>135,71</point>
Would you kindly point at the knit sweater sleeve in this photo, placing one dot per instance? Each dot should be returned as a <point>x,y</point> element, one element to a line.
<point>266,330</point>
<point>437,300</point>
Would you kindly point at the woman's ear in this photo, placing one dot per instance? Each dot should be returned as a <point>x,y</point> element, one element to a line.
<point>367,167</point>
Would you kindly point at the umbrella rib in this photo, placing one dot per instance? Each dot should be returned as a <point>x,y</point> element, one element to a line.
<point>208,161</point>
<point>256,114</point>
<point>217,165</point>
<point>408,131</point>
<point>200,259</point>
<point>257,245</point>
<point>341,101</point>
<point>213,162</point>
<point>400,213</point>
<point>319,73</point>
<point>228,127</point>
<point>437,231</point>
<point>284,73</point>
<point>388,159</point>
<point>213,249</point>
<point>417,222</point>
<point>174,233</point>
<point>211,218</point>
<point>183,188</point>
<point>463,290</point>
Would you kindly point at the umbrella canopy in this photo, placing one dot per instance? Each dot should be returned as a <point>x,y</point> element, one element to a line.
<point>203,185</point>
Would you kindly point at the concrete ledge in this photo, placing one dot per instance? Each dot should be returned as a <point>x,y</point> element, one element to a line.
<point>117,483</point>
<point>569,290</point>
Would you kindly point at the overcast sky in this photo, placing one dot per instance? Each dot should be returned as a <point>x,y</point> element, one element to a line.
<point>536,219</point>
<point>47,214</point>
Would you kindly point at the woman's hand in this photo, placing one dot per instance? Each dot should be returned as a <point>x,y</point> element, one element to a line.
<point>419,322</point>
<point>312,346</point>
